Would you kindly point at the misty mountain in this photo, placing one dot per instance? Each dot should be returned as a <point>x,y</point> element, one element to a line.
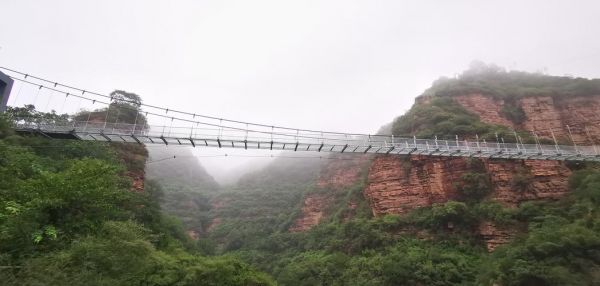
<point>185,184</point>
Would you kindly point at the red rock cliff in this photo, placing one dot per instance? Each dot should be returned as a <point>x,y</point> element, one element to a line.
<point>335,176</point>
<point>543,114</point>
<point>396,185</point>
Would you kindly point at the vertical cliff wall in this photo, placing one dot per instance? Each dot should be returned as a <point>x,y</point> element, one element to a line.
<point>544,115</point>
<point>335,176</point>
<point>397,185</point>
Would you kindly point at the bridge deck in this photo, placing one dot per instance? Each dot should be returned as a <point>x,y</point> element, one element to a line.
<point>293,142</point>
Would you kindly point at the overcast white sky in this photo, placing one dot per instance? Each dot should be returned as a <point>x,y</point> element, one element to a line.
<point>331,65</point>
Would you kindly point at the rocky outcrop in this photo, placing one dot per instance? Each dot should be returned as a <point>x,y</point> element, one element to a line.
<point>581,114</point>
<point>138,181</point>
<point>517,181</point>
<point>397,185</point>
<point>488,108</point>
<point>544,115</point>
<point>335,176</point>
<point>494,235</point>
<point>216,205</point>
<point>313,211</point>
<point>339,174</point>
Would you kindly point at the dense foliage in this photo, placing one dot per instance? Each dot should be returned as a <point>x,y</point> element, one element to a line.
<point>445,118</point>
<point>186,186</point>
<point>496,81</point>
<point>558,242</point>
<point>68,216</point>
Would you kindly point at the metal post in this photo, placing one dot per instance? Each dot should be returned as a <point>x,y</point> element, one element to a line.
<point>116,120</point>
<point>106,117</point>
<point>591,140</point>
<point>170,127</point>
<point>537,142</point>
<point>555,142</point>
<point>517,140</point>
<point>415,141</point>
<point>477,137</point>
<point>88,119</point>
<point>572,140</point>
<point>457,145</point>
<point>522,145</point>
<point>497,141</point>
<point>135,122</point>
<point>436,143</point>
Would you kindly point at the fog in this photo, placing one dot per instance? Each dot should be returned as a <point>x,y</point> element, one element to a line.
<point>327,65</point>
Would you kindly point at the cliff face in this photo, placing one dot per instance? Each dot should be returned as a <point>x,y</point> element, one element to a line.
<point>543,114</point>
<point>488,108</point>
<point>335,176</point>
<point>339,174</point>
<point>397,185</point>
<point>313,211</point>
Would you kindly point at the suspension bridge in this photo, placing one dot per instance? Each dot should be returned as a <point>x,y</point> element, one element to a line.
<point>160,125</point>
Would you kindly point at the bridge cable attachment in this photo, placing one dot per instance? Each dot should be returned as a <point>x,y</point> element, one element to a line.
<point>220,130</point>
<point>537,143</point>
<point>116,120</point>
<point>246,138</point>
<point>591,140</point>
<point>36,95</point>
<point>457,144</point>
<point>517,140</point>
<point>107,112</point>
<point>497,141</point>
<point>170,127</point>
<point>48,102</point>
<point>63,105</point>
<point>137,113</point>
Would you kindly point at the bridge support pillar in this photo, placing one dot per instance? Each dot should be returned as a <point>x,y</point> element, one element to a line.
<point>6,84</point>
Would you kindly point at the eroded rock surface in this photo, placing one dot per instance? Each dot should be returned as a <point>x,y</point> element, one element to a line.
<point>313,211</point>
<point>396,185</point>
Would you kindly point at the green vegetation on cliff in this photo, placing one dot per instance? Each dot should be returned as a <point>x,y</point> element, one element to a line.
<point>495,81</point>
<point>69,216</point>
<point>555,242</point>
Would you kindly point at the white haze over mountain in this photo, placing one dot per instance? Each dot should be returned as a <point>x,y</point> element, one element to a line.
<point>331,65</point>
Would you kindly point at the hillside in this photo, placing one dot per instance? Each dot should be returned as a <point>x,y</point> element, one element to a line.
<point>79,213</point>
<point>435,221</point>
<point>186,185</point>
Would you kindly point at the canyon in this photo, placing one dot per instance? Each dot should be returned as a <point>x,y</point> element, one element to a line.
<point>397,185</point>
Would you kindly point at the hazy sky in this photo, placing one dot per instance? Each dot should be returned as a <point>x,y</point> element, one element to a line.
<point>333,65</point>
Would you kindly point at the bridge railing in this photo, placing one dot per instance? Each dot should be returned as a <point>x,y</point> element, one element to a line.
<point>354,143</point>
